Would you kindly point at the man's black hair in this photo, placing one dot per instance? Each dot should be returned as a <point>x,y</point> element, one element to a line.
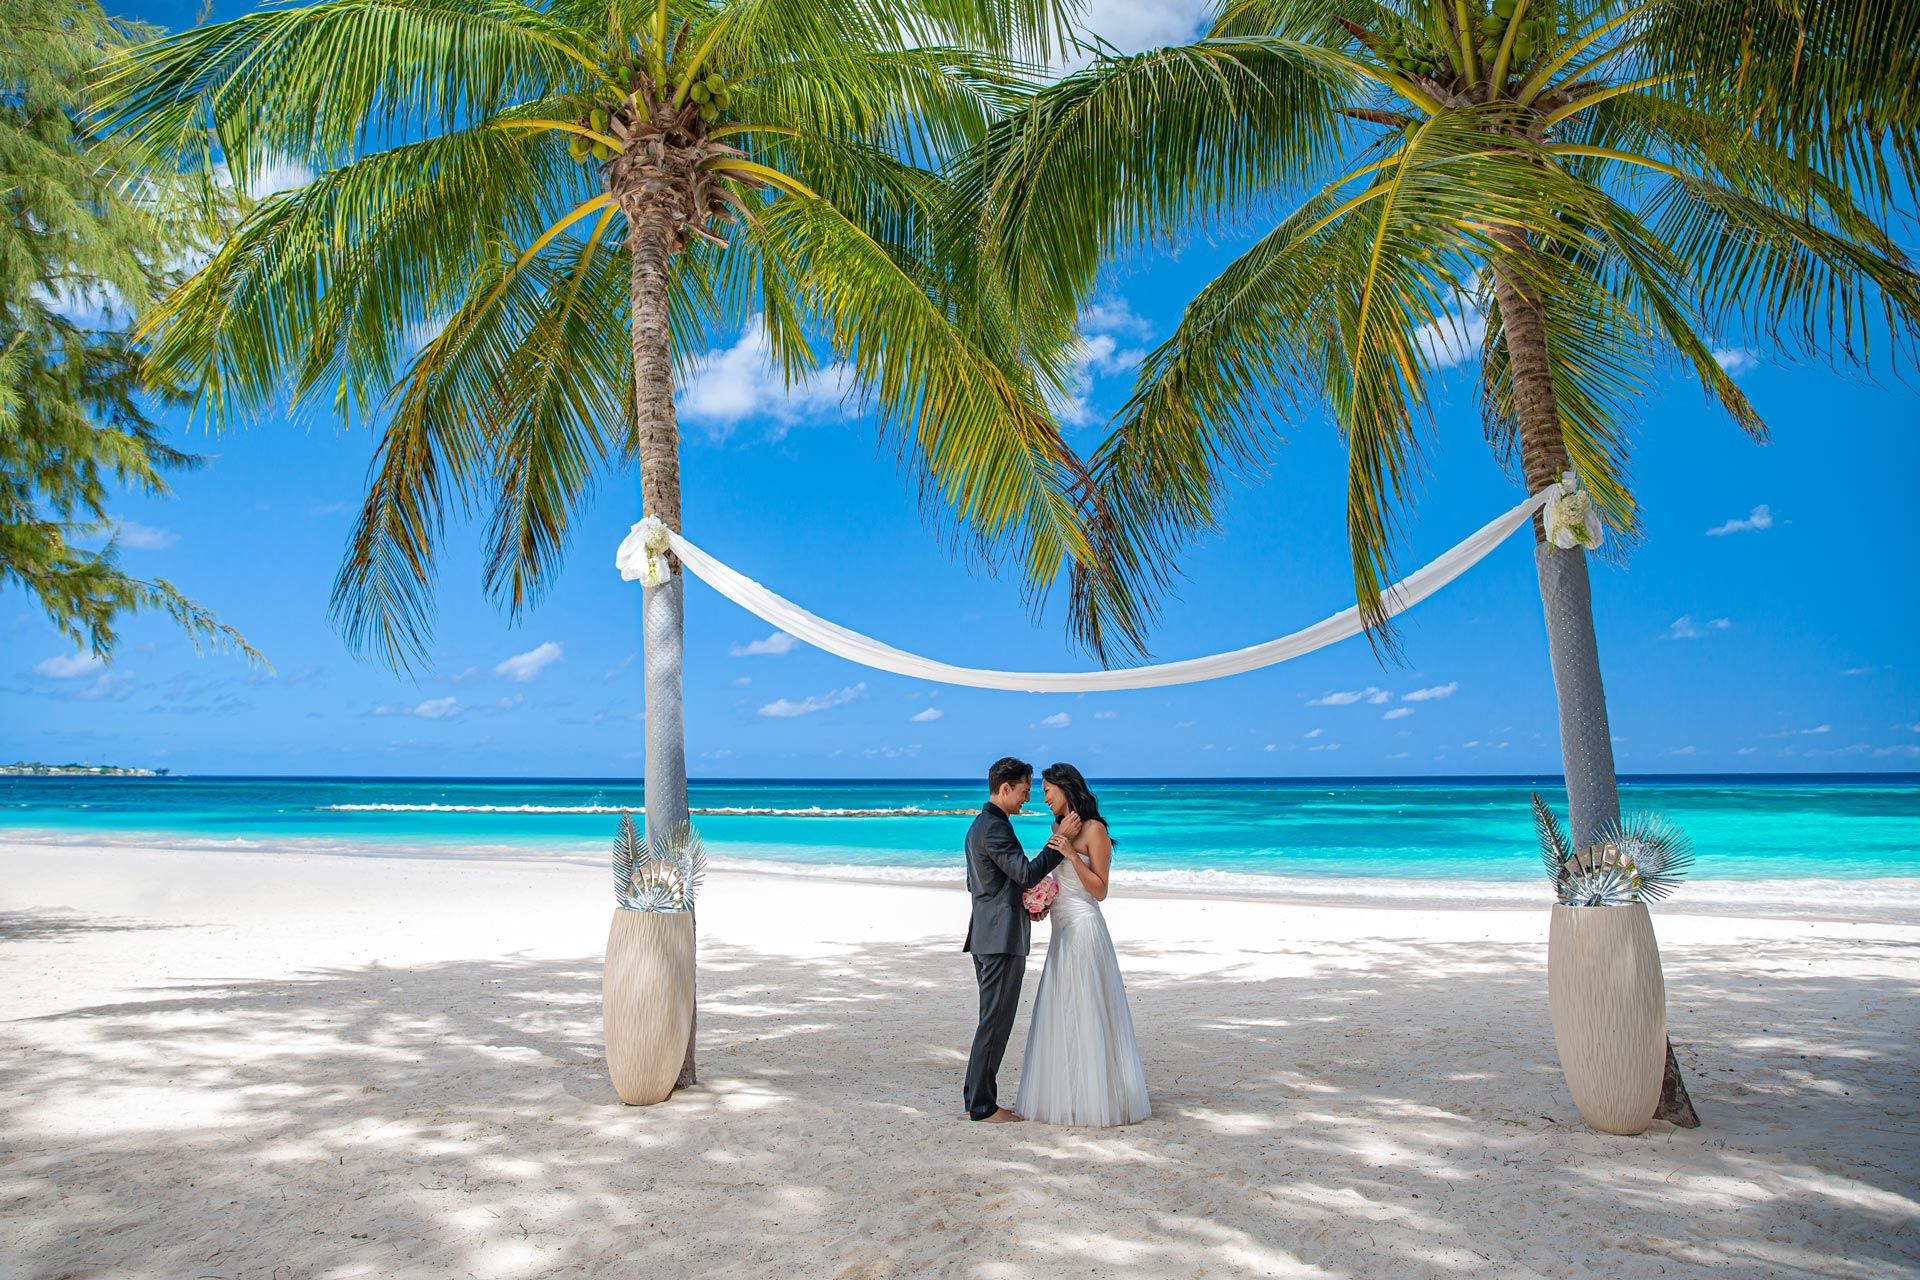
<point>1005,770</point>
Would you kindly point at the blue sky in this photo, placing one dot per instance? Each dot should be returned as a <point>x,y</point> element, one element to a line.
<point>1765,623</point>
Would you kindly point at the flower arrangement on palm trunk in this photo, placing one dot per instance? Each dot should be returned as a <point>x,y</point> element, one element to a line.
<point>1605,990</point>
<point>1640,858</point>
<point>647,986</point>
<point>650,875</point>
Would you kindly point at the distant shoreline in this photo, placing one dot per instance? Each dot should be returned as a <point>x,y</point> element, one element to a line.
<point>20,770</point>
<point>1304,780</point>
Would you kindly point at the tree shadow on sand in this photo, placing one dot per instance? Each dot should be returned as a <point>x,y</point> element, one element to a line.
<point>455,1119</point>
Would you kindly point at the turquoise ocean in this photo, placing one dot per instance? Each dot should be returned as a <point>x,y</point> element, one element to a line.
<point>1231,835</point>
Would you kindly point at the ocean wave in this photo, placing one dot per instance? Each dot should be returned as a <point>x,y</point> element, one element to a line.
<point>723,811</point>
<point>1892,899</point>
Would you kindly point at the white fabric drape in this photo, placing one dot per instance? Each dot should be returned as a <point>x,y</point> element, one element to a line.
<point>820,633</point>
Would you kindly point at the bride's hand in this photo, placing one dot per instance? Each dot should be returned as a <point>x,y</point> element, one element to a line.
<point>1070,825</point>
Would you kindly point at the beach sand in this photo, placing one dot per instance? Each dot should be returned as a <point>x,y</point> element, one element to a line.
<point>226,1064</point>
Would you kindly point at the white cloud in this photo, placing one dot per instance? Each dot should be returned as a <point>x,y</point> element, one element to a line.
<point>508,704</point>
<point>1398,713</point>
<point>1058,720</point>
<point>740,382</point>
<point>1859,671</point>
<point>1684,751</point>
<point>1313,733</point>
<point>143,537</point>
<point>1746,751</point>
<point>1097,353</point>
<point>1105,715</point>
<point>1684,627</point>
<point>786,708</point>
<point>1325,746</point>
<point>1735,360</point>
<point>619,668</point>
<point>1805,733</point>
<point>1133,25</point>
<point>772,647</point>
<point>1433,694</point>
<point>1347,697</point>
<point>1114,316</point>
<point>1453,341</point>
<point>431,709</point>
<point>925,715</point>
<point>1906,749</point>
<point>1396,755</point>
<point>1760,518</point>
<point>1271,746</point>
<point>741,682</point>
<point>111,686</point>
<point>524,667</point>
<point>71,667</point>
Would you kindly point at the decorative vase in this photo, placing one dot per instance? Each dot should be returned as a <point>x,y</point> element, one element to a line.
<point>1609,1004</point>
<point>646,1002</point>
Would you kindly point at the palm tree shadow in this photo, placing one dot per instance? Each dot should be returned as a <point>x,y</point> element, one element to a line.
<point>1383,1110</point>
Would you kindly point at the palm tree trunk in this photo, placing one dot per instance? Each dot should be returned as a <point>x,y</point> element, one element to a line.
<point>1586,741</point>
<point>651,243</point>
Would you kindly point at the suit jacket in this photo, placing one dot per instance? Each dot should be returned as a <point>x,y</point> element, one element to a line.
<point>998,872</point>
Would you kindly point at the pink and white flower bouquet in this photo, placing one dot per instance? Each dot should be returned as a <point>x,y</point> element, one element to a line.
<point>1039,899</point>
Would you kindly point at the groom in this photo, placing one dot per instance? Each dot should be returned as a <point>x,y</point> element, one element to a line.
<point>998,873</point>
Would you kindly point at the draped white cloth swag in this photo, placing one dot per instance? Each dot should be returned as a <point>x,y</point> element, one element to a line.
<point>637,560</point>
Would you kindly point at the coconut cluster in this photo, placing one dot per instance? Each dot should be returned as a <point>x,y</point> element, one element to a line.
<point>1411,51</point>
<point>1535,30</point>
<point>709,96</point>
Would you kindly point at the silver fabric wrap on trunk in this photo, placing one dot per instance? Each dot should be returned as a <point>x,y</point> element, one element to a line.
<point>1586,742</point>
<point>666,739</point>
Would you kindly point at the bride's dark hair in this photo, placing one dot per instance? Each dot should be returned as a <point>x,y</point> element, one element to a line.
<point>1074,787</point>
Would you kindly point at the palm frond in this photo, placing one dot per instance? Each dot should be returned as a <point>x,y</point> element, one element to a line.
<point>324,82</point>
<point>1656,850</point>
<point>1555,850</point>
<point>1078,175</point>
<point>628,851</point>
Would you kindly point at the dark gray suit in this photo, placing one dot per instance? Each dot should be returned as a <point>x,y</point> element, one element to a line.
<point>998,873</point>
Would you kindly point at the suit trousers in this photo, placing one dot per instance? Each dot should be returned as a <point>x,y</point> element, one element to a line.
<point>999,978</point>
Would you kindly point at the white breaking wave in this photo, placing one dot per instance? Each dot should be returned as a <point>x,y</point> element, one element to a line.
<point>724,811</point>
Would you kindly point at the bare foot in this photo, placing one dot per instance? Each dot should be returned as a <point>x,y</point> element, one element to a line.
<point>1003,1116</point>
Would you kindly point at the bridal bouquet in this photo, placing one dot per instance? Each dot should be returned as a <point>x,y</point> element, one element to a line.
<point>1039,899</point>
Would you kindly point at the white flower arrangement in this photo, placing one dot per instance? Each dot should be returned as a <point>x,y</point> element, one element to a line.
<point>651,875</point>
<point>653,541</point>
<point>1639,859</point>
<point>1572,518</point>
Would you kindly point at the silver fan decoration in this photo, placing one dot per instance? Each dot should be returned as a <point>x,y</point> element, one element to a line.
<point>1640,859</point>
<point>655,876</point>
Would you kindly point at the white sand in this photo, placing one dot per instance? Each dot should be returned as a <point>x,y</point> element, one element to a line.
<point>309,1066</point>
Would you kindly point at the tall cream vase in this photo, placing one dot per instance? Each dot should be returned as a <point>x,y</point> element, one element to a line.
<point>646,1002</point>
<point>1609,1005</point>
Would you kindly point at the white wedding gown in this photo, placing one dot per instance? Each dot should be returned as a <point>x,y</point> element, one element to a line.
<point>1082,1065</point>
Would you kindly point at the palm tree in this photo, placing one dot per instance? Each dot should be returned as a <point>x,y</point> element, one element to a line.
<point>527,219</point>
<point>1600,184</point>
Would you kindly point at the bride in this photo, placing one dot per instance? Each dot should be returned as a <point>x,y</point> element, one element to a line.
<point>1082,1065</point>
